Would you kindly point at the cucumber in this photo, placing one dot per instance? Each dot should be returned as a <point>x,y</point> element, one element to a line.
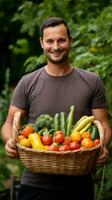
<point>70,120</point>
<point>57,122</point>
<point>94,133</point>
<point>63,123</point>
<point>90,128</point>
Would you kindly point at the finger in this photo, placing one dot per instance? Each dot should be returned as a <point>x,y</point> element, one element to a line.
<point>102,159</point>
<point>10,150</point>
<point>10,143</point>
<point>105,154</point>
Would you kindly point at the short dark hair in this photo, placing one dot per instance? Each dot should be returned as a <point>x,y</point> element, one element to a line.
<point>53,21</point>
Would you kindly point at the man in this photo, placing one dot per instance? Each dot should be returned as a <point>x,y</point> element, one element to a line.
<point>52,89</point>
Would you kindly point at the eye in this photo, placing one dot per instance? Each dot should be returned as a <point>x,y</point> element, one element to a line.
<point>49,41</point>
<point>62,40</point>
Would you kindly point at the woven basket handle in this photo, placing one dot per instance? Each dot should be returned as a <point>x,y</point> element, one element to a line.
<point>16,124</point>
<point>101,132</point>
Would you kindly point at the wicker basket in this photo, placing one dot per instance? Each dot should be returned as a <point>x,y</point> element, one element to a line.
<point>78,162</point>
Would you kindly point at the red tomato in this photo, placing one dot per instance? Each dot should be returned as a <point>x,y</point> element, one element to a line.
<point>67,140</point>
<point>64,147</point>
<point>47,139</point>
<point>59,132</point>
<point>74,145</point>
<point>53,148</point>
<point>58,137</point>
<point>96,142</point>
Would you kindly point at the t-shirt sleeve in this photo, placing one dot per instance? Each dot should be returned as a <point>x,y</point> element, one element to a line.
<point>99,98</point>
<point>19,98</point>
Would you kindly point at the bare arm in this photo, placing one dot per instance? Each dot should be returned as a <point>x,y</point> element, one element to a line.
<point>7,131</point>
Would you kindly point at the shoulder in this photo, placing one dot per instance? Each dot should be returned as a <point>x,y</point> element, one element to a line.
<point>86,74</point>
<point>30,79</point>
<point>89,78</point>
<point>32,75</point>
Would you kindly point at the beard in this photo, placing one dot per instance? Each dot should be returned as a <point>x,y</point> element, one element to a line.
<point>57,60</point>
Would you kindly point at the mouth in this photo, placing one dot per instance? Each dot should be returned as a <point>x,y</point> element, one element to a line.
<point>57,53</point>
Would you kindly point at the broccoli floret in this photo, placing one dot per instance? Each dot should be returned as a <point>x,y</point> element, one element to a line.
<point>40,117</point>
<point>47,116</point>
<point>44,120</point>
<point>49,122</point>
<point>40,123</point>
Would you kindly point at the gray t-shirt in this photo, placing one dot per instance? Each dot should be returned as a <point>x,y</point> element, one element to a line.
<point>40,93</point>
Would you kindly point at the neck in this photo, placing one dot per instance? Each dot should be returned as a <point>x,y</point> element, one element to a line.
<point>58,70</point>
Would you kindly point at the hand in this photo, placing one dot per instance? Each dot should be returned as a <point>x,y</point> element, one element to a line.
<point>10,148</point>
<point>103,157</point>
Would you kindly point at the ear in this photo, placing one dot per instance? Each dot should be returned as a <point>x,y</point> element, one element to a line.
<point>41,42</point>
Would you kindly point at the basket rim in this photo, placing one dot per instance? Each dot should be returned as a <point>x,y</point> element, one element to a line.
<point>82,149</point>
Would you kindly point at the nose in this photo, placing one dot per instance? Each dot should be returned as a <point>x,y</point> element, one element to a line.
<point>56,46</point>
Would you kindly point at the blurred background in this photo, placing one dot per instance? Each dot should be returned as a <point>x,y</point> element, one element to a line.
<point>90,23</point>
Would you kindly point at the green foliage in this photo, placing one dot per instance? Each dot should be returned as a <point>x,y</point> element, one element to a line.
<point>31,14</point>
<point>8,167</point>
<point>34,62</point>
<point>8,34</point>
<point>103,180</point>
<point>26,14</point>
<point>21,47</point>
<point>5,97</point>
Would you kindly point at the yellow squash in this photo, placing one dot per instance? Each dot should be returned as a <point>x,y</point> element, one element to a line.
<point>35,141</point>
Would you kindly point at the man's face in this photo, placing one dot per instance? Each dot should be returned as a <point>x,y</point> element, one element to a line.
<point>56,44</point>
